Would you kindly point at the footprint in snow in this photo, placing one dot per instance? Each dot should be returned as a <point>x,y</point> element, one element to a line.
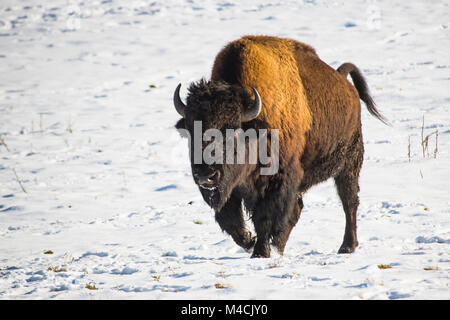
<point>168,187</point>
<point>97,254</point>
<point>124,271</point>
<point>435,239</point>
<point>12,208</point>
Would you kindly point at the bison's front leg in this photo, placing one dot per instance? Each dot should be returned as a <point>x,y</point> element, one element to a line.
<point>231,220</point>
<point>281,231</point>
<point>263,227</point>
<point>273,220</point>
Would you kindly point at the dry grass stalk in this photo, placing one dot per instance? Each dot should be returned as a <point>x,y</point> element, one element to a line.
<point>222,286</point>
<point>423,126</point>
<point>18,180</point>
<point>4,143</point>
<point>425,141</point>
<point>409,148</point>
<point>436,145</point>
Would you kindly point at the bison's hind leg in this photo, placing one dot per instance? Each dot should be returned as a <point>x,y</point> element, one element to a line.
<point>347,186</point>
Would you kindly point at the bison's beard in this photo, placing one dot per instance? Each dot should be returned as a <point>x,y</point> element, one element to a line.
<point>214,197</point>
<point>232,176</point>
<point>218,196</point>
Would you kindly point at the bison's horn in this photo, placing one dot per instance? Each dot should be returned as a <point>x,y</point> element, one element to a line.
<point>179,105</point>
<point>254,111</point>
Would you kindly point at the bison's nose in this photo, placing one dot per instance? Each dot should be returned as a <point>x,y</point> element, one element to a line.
<point>209,180</point>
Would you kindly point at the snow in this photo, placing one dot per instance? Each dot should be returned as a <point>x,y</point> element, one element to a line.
<point>96,195</point>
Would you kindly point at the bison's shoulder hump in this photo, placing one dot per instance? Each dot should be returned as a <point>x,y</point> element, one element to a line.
<point>269,65</point>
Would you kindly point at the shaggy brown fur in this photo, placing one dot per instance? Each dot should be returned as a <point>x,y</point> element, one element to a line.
<point>318,115</point>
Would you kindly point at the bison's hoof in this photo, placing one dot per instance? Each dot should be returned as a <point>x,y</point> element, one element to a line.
<point>347,248</point>
<point>259,255</point>
<point>259,252</point>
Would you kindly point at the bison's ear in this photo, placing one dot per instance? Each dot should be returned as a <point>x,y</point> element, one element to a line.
<point>181,128</point>
<point>181,124</point>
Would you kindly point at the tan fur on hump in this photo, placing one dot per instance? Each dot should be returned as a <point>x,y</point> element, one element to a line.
<point>268,64</point>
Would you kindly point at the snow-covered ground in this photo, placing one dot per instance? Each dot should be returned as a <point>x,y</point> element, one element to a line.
<point>96,195</point>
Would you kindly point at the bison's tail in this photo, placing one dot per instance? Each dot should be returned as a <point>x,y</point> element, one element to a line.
<point>362,88</point>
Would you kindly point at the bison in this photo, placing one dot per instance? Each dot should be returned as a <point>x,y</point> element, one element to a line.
<point>272,83</point>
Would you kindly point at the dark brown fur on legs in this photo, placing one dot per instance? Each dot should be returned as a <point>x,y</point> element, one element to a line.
<point>275,215</point>
<point>281,236</point>
<point>348,188</point>
<point>272,212</point>
<point>263,226</point>
<point>231,220</point>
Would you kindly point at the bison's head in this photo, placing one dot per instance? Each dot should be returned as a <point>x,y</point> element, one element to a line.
<point>223,108</point>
